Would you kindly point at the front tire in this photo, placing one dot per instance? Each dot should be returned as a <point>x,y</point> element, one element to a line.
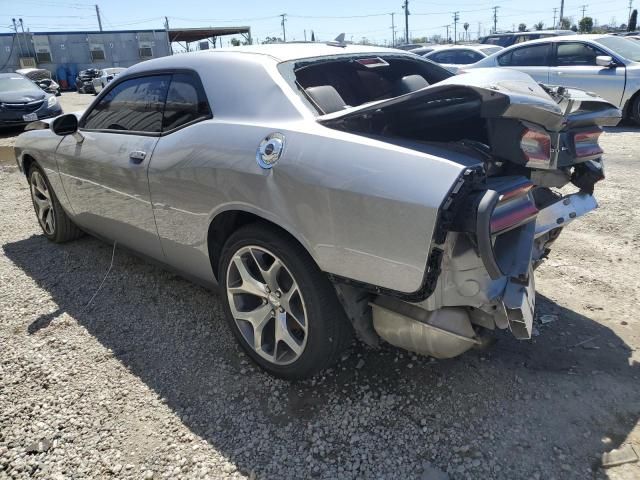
<point>54,221</point>
<point>281,308</point>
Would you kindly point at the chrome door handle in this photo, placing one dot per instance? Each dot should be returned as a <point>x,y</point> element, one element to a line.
<point>137,156</point>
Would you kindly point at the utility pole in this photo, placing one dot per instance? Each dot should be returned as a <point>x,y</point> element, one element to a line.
<point>24,36</point>
<point>561,13</point>
<point>479,30</point>
<point>305,34</point>
<point>15,27</point>
<point>393,30</point>
<point>456,17</point>
<point>555,12</point>
<point>583,8</point>
<point>495,19</point>
<point>284,30</point>
<point>166,27</point>
<point>447,39</point>
<point>630,7</point>
<point>406,21</point>
<point>98,15</point>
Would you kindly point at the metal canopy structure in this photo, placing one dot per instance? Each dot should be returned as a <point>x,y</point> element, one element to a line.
<point>188,35</point>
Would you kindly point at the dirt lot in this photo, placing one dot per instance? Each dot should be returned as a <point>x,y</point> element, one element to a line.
<point>147,382</point>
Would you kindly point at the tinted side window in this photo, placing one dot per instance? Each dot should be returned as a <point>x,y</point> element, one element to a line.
<point>531,56</point>
<point>186,102</point>
<point>456,57</point>
<point>576,54</point>
<point>134,105</point>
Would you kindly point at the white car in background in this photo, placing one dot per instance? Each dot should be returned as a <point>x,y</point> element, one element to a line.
<point>453,57</point>
<point>607,65</point>
<point>106,75</point>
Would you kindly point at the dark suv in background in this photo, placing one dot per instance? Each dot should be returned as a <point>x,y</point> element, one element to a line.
<point>84,80</point>
<point>508,39</point>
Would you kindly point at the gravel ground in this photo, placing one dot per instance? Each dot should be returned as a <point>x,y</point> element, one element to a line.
<point>146,382</point>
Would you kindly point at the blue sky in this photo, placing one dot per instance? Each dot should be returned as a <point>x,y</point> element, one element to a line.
<point>327,18</point>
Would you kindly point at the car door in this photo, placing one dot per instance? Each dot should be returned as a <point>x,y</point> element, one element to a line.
<point>575,66</point>
<point>174,175</point>
<point>531,59</point>
<point>105,174</point>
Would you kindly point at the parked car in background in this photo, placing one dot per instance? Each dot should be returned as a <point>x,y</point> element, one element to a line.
<point>42,78</point>
<point>425,49</point>
<point>327,189</point>
<point>410,46</point>
<point>607,65</point>
<point>84,80</point>
<point>511,38</point>
<point>453,57</point>
<point>22,101</point>
<point>105,76</point>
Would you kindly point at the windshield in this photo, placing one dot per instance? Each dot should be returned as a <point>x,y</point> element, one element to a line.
<point>622,46</point>
<point>337,82</point>
<point>16,84</point>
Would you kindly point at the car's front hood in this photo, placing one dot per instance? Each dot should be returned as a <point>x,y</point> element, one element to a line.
<point>504,93</point>
<point>22,97</point>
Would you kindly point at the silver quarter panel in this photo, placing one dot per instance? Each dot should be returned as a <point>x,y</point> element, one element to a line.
<point>364,209</point>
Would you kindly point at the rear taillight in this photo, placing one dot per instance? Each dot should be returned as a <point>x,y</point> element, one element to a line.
<point>586,143</point>
<point>536,147</point>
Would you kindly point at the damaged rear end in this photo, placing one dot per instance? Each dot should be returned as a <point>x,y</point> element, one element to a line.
<point>504,213</point>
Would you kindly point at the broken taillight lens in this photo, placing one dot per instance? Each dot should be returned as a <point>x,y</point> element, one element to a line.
<point>536,147</point>
<point>586,143</point>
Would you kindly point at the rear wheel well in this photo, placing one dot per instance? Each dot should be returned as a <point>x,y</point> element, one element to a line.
<point>224,225</point>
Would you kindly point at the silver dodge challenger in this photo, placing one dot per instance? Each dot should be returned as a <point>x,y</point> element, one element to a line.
<point>328,190</point>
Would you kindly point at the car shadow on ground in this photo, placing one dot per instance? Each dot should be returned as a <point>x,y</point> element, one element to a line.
<point>517,406</point>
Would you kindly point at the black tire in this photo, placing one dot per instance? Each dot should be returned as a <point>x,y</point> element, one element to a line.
<point>328,332</point>
<point>634,112</point>
<point>64,229</point>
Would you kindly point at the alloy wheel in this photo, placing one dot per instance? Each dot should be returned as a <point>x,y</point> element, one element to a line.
<point>42,203</point>
<point>267,305</point>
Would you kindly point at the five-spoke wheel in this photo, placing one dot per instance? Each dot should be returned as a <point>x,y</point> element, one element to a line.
<point>54,221</point>
<point>282,309</point>
<point>267,305</point>
<point>42,203</point>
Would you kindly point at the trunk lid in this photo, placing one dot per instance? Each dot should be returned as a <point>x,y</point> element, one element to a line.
<point>503,93</point>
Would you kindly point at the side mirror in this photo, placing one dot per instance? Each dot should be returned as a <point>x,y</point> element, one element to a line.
<point>605,61</point>
<point>67,125</point>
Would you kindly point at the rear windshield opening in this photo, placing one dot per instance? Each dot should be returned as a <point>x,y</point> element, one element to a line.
<point>334,84</point>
